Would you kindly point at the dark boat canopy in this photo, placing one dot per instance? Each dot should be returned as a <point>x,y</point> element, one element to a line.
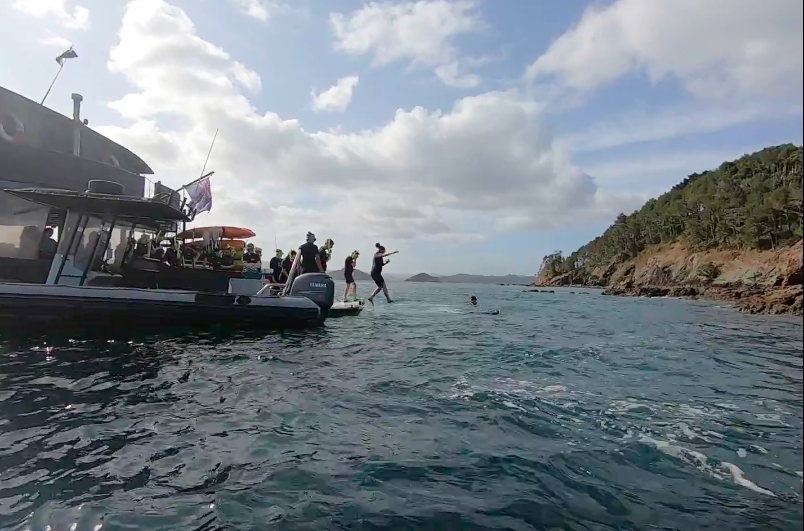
<point>131,208</point>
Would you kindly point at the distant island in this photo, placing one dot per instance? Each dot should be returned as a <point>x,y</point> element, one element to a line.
<point>359,275</point>
<point>422,277</point>
<point>732,234</point>
<point>463,278</point>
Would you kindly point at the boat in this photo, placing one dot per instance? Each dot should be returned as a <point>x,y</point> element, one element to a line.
<point>85,285</point>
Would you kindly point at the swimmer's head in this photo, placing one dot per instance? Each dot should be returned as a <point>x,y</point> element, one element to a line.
<point>473,300</point>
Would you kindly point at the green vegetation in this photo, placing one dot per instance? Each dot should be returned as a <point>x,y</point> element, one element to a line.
<point>754,202</point>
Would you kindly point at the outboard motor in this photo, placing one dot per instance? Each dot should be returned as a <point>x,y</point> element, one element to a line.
<point>318,287</point>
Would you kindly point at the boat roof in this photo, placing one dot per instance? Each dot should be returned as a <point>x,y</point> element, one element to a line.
<point>135,209</point>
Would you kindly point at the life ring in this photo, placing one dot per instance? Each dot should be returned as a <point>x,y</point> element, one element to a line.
<point>8,120</point>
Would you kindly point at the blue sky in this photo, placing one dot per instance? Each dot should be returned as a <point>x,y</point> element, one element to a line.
<point>573,111</point>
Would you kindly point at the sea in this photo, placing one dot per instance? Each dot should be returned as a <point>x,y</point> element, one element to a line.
<point>566,411</point>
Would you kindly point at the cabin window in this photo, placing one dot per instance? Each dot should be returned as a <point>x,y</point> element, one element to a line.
<point>21,226</point>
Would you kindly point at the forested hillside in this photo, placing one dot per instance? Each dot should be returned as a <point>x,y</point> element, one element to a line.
<point>754,202</point>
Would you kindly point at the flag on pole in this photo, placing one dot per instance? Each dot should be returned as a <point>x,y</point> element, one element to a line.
<point>200,194</point>
<point>67,54</point>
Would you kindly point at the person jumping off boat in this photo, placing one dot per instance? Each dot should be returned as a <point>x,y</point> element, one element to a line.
<point>380,260</point>
<point>310,257</point>
<point>349,266</point>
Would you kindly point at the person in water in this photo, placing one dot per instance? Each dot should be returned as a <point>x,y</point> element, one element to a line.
<point>349,266</point>
<point>376,273</point>
<point>287,263</point>
<point>325,253</point>
<point>473,300</point>
<point>310,256</point>
<point>276,267</point>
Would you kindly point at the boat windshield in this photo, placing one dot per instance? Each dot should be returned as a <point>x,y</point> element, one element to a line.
<point>22,224</point>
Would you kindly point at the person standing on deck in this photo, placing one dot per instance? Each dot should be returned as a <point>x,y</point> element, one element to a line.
<point>310,256</point>
<point>326,253</point>
<point>287,263</point>
<point>275,265</point>
<point>349,266</point>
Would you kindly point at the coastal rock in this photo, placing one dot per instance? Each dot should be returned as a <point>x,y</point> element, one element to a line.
<point>754,281</point>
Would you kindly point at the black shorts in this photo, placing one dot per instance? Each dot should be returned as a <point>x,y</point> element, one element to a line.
<point>349,278</point>
<point>377,278</point>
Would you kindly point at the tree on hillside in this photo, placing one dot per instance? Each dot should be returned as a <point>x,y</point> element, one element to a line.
<point>754,202</point>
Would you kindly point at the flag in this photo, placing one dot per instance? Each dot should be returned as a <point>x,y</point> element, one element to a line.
<point>68,54</point>
<point>200,194</point>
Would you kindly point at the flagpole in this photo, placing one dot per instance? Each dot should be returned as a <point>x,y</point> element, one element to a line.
<point>210,174</point>
<point>61,66</point>
<point>209,153</point>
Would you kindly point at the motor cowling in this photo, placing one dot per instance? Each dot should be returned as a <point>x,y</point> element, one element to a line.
<point>318,287</point>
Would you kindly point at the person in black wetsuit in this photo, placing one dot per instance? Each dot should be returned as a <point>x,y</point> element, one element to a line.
<point>287,263</point>
<point>325,253</point>
<point>250,256</point>
<point>376,272</point>
<point>275,265</point>
<point>349,266</point>
<point>310,257</point>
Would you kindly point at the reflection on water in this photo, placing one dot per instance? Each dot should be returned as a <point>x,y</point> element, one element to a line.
<point>561,413</point>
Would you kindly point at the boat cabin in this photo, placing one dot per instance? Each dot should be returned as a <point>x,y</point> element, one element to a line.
<point>95,244</point>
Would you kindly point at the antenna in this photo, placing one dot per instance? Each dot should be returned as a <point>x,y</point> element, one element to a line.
<point>209,153</point>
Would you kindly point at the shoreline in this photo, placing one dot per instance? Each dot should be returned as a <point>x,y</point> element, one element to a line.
<point>785,300</point>
<point>756,282</point>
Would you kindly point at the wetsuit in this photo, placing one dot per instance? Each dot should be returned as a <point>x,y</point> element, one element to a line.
<point>323,255</point>
<point>276,268</point>
<point>376,271</point>
<point>309,251</point>
<point>349,270</point>
<point>251,258</point>
<point>286,265</point>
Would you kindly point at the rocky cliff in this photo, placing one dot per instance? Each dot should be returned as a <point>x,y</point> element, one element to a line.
<point>755,281</point>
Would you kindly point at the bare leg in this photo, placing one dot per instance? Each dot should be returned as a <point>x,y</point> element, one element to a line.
<point>374,294</point>
<point>354,289</point>
<point>385,292</point>
<point>345,292</point>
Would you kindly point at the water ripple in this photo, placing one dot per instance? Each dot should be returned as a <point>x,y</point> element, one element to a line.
<point>563,412</point>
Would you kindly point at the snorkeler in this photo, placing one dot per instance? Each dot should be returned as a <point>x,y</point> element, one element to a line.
<point>349,266</point>
<point>376,272</point>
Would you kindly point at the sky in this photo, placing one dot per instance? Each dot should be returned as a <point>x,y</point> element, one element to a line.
<point>472,136</point>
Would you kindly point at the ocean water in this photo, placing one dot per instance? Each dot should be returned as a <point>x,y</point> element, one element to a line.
<point>570,411</point>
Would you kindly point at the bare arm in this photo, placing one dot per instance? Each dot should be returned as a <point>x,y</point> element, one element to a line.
<point>318,263</point>
<point>388,254</point>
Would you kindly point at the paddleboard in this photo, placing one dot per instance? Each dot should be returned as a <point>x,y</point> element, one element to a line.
<point>346,308</point>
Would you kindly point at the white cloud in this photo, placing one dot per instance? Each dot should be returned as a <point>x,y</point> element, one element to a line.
<point>452,175</point>
<point>77,18</point>
<point>57,42</point>
<point>642,125</point>
<point>422,32</point>
<point>337,97</point>
<point>717,49</point>
<point>263,10</point>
